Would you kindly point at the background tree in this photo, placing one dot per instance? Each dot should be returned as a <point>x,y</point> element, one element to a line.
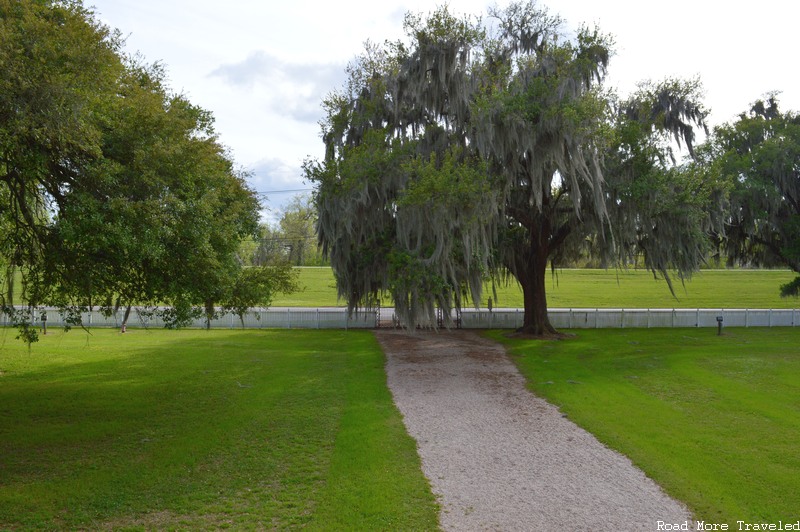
<point>292,240</point>
<point>759,156</point>
<point>269,247</point>
<point>478,151</point>
<point>661,212</point>
<point>298,232</point>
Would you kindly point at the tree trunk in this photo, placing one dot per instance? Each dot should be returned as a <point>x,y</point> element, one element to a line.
<point>125,319</point>
<point>535,322</point>
<point>209,314</point>
<point>531,271</point>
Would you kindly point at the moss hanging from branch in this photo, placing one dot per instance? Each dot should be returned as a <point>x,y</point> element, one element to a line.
<point>477,150</point>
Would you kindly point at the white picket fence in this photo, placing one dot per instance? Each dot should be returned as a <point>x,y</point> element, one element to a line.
<point>586,318</point>
<point>272,318</point>
<point>561,318</point>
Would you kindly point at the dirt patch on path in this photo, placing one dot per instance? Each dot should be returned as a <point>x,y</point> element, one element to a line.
<point>500,458</point>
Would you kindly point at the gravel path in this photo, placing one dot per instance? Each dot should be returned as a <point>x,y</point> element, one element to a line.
<point>500,458</point>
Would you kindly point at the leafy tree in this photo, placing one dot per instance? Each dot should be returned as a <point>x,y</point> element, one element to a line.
<point>60,69</point>
<point>115,190</point>
<point>659,211</point>
<point>269,247</point>
<point>759,156</point>
<point>163,221</point>
<point>256,287</point>
<point>479,151</point>
<point>298,232</point>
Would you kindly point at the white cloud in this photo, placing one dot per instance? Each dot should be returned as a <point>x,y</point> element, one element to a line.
<point>277,182</point>
<point>291,89</point>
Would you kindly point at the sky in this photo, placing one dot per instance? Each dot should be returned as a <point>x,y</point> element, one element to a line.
<point>263,67</point>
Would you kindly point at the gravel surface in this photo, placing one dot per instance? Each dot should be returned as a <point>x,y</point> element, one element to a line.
<point>500,458</point>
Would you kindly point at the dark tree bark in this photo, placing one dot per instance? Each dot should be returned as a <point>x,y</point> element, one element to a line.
<point>125,318</point>
<point>536,321</point>
<point>530,269</point>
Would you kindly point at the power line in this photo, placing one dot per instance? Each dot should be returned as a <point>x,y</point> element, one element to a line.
<point>285,239</point>
<point>287,191</point>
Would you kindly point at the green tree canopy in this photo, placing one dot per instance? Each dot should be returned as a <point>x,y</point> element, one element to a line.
<point>60,71</point>
<point>759,156</point>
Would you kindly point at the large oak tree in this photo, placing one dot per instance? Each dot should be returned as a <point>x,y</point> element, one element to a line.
<point>484,149</point>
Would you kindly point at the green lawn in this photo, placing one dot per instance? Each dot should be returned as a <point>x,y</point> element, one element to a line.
<point>715,420</point>
<point>204,430</point>
<point>605,289</point>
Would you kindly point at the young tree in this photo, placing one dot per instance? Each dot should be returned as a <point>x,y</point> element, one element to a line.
<point>478,151</point>
<point>256,287</point>
<point>759,156</point>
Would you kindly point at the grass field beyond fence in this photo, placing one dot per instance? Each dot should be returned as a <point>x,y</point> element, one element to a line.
<point>204,430</point>
<point>603,289</point>
<point>715,420</point>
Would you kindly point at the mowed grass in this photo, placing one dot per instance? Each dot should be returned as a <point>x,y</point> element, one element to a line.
<point>204,430</point>
<point>715,420</point>
<point>603,289</point>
